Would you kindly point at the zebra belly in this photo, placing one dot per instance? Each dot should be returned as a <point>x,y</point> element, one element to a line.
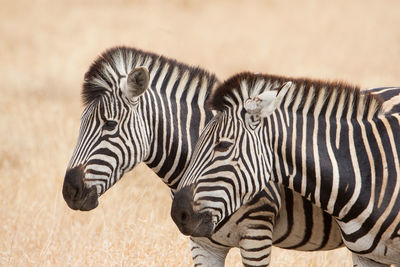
<point>387,250</point>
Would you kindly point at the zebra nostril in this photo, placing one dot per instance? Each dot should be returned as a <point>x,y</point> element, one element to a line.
<point>183,217</point>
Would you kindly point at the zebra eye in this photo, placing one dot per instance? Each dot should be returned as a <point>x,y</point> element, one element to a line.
<point>222,146</point>
<point>109,125</point>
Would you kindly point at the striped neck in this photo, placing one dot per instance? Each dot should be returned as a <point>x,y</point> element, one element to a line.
<point>175,111</point>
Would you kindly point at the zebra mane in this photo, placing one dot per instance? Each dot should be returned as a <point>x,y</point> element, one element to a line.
<point>104,73</point>
<point>242,86</point>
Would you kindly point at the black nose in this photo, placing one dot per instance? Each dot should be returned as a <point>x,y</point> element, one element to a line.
<point>182,209</point>
<point>189,221</point>
<point>77,196</point>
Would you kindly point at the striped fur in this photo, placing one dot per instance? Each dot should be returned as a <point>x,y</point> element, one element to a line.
<point>118,132</point>
<point>327,141</point>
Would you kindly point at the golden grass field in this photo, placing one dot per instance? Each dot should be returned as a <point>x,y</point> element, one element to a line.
<point>46,47</point>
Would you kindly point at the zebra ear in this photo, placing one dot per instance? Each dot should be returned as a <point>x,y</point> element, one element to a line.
<point>264,104</point>
<point>137,82</point>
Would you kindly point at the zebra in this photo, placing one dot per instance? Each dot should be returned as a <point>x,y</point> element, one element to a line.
<point>132,99</point>
<point>124,123</point>
<point>327,141</point>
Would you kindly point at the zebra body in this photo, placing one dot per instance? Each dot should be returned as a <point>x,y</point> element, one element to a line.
<point>327,141</point>
<point>124,124</point>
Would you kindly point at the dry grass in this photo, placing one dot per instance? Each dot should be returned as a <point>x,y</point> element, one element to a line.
<point>45,48</point>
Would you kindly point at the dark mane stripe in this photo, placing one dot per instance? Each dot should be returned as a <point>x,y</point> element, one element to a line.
<point>232,87</point>
<point>103,70</point>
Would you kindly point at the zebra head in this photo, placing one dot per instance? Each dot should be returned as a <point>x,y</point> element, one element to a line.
<point>229,150</point>
<point>112,139</point>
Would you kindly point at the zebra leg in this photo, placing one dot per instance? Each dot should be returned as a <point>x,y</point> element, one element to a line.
<point>359,261</point>
<point>206,254</point>
<point>256,249</point>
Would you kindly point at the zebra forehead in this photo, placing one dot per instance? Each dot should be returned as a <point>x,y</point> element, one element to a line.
<point>105,72</point>
<point>242,86</point>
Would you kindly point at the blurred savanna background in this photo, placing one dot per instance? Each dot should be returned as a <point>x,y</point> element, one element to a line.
<point>46,47</point>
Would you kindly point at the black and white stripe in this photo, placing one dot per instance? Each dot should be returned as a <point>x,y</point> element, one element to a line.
<point>118,132</point>
<point>327,141</point>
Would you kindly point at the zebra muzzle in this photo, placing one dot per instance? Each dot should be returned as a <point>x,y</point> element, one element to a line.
<point>76,194</point>
<point>189,221</point>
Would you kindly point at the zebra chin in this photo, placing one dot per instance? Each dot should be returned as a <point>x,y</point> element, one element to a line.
<point>188,221</point>
<point>76,194</point>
